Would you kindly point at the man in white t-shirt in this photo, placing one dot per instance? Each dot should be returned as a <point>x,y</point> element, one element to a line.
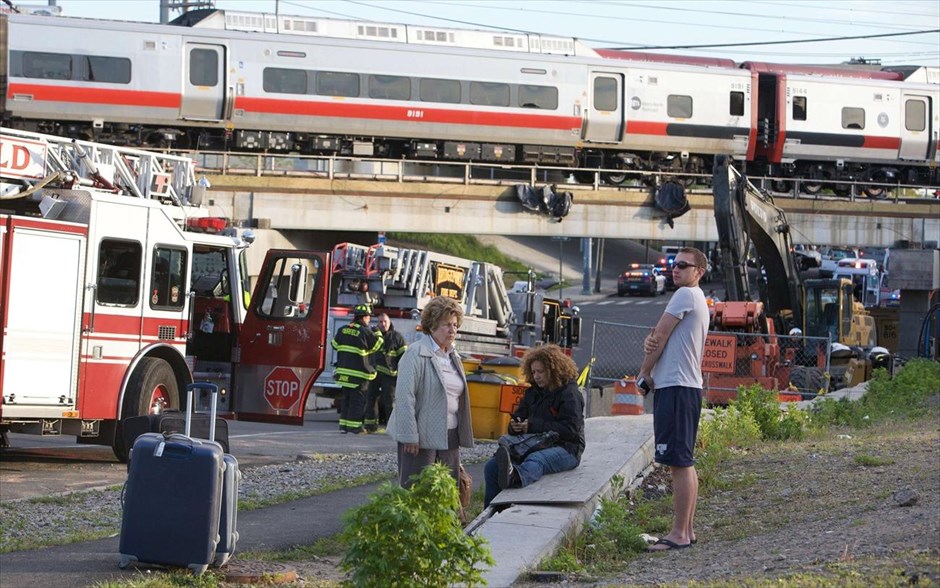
<point>672,367</point>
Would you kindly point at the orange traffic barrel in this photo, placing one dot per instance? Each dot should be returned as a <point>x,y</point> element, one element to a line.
<point>627,398</point>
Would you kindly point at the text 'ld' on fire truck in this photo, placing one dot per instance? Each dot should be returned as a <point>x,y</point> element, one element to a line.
<point>400,281</point>
<point>116,291</point>
<point>824,310</point>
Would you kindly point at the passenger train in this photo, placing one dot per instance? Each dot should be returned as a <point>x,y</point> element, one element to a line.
<point>217,79</point>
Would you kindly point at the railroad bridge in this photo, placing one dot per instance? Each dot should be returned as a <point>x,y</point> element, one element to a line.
<point>388,200</point>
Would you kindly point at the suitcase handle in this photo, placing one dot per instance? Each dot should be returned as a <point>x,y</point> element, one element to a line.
<point>213,405</point>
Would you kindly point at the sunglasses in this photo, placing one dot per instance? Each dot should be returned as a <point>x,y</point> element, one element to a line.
<point>684,264</point>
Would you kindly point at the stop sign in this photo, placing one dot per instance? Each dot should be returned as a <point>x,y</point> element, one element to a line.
<point>282,388</point>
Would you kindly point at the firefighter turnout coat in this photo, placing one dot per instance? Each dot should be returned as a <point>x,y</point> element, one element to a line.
<point>354,344</point>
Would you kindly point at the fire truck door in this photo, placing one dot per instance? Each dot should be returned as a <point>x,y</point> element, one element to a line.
<point>283,340</point>
<point>115,305</point>
<point>42,311</point>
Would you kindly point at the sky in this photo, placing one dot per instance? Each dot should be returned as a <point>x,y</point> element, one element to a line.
<point>644,24</point>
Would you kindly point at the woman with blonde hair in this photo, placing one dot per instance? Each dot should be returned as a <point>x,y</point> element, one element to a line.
<point>552,402</point>
<point>431,418</point>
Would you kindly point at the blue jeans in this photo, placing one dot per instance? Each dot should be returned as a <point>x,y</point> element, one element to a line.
<point>536,465</point>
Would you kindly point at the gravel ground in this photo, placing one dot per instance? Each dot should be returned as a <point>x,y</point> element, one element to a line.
<point>97,513</point>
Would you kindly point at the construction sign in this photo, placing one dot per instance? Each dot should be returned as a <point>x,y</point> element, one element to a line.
<point>719,354</point>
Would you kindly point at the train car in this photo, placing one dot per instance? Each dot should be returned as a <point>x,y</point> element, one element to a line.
<point>243,81</point>
<point>205,86</point>
<point>833,125</point>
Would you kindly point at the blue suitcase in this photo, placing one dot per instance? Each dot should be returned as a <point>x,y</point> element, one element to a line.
<point>183,481</point>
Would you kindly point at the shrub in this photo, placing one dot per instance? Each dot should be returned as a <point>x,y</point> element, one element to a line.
<point>721,433</point>
<point>412,537</point>
<point>764,406</point>
<point>912,393</point>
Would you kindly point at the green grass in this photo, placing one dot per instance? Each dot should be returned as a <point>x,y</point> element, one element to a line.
<point>872,461</point>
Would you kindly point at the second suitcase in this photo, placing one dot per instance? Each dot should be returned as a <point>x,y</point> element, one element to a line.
<point>173,421</point>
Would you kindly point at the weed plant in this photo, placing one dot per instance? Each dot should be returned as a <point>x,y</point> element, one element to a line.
<point>411,538</point>
<point>912,393</point>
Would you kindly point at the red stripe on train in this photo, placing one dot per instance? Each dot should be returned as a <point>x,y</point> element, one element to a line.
<point>881,142</point>
<point>417,114</point>
<point>643,127</point>
<point>53,93</point>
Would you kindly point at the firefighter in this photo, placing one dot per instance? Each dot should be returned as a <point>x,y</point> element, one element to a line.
<point>382,388</point>
<point>354,344</point>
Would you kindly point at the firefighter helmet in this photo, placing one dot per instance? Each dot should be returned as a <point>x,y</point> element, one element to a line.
<point>362,310</point>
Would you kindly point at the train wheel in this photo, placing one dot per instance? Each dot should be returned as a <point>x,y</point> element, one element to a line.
<point>812,188</point>
<point>782,186</point>
<point>151,390</point>
<point>584,177</point>
<point>875,192</point>
<point>614,179</point>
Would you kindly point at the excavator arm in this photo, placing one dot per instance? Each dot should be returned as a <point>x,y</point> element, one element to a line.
<point>746,218</point>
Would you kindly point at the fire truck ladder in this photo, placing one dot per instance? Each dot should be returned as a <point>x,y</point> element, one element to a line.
<point>397,277</point>
<point>31,161</point>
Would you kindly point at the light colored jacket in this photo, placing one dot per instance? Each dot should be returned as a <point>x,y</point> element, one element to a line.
<point>420,413</point>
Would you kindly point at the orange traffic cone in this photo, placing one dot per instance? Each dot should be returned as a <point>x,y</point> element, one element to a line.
<point>627,398</point>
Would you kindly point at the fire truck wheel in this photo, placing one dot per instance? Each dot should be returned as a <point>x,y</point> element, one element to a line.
<point>151,390</point>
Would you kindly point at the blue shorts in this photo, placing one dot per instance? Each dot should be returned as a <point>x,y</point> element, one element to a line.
<point>676,412</point>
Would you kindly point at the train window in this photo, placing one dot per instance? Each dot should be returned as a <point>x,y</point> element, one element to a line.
<point>390,87</point>
<point>678,106</point>
<point>799,108</point>
<point>489,94</point>
<point>47,66</point>
<point>334,83</point>
<point>203,67</point>
<point>736,107</point>
<point>853,118</point>
<point>544,97</point>
<point>112,70</point>
<point>915,115</point>
<point>167,289</point>
<point>278,80</point>
<point>605,94</point>
<point>119,272</point>
<point>447,91</point>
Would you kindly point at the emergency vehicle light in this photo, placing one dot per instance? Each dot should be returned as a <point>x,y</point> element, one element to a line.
<point>207,224</point>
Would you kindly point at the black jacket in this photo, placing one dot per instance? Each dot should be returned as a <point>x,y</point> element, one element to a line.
<point>393,347</point>
<point>354,343</point>
<point>561,410</point>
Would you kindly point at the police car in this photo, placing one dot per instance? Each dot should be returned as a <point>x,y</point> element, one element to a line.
<point>641,278</point>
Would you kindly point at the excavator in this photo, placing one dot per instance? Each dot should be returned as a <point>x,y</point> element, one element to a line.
<point>784,303</point>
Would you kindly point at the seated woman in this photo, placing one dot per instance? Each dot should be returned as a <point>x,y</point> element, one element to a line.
<point>552,403</point>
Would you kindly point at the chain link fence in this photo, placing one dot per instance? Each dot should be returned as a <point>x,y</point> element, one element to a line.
<point>795,364</point>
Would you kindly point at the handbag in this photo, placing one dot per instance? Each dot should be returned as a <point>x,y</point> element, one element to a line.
<point>464,487</point>
<point>520,446</point>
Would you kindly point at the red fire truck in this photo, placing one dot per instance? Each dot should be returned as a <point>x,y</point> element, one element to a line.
<point>116,291</point>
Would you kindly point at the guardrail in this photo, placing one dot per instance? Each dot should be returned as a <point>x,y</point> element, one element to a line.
<point>410,170</point>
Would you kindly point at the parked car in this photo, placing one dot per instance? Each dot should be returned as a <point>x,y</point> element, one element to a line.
<point>641,278</point>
